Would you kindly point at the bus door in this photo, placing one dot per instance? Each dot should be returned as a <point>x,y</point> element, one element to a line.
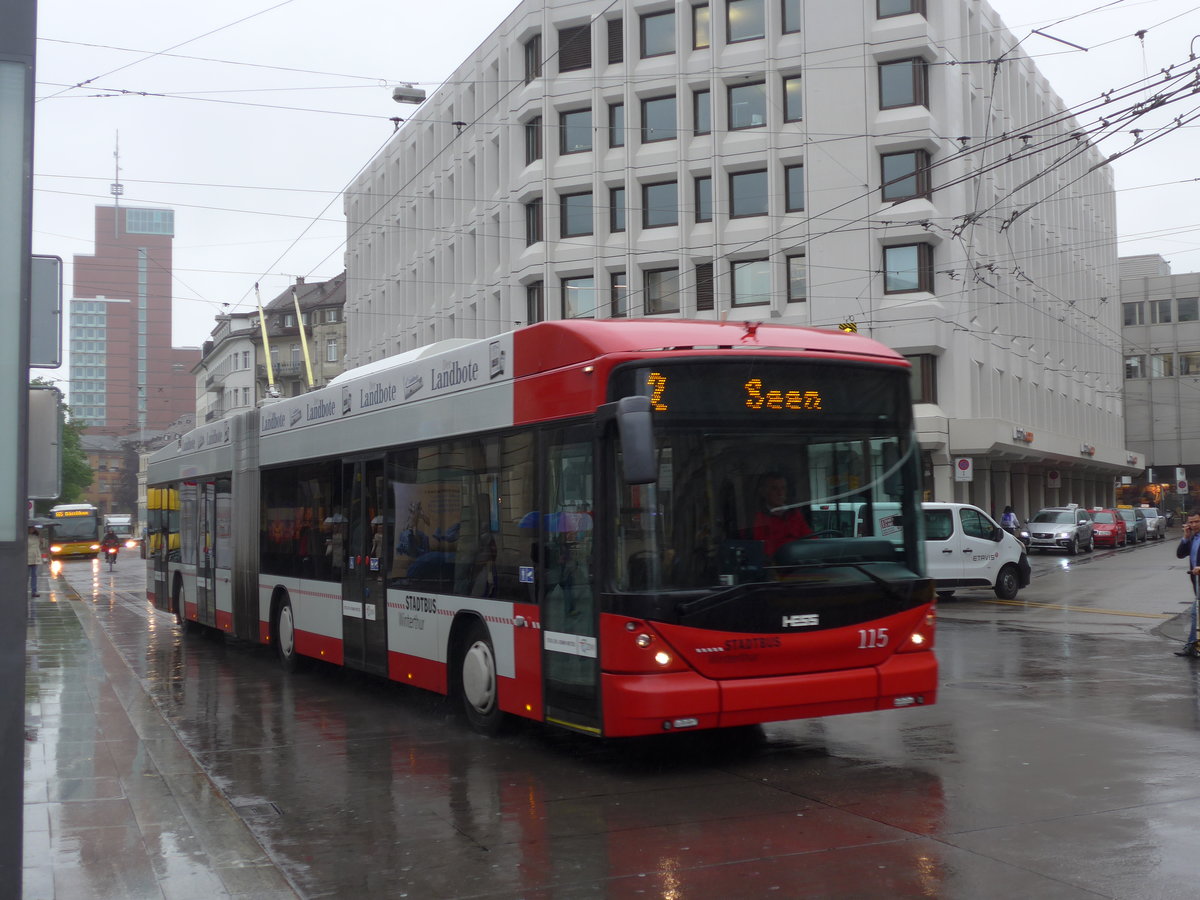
<point>571,660</point>
<point>364,586</point>
<point>206,530</point>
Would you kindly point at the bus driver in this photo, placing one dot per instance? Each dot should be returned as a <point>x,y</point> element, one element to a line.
<point>775,524</point>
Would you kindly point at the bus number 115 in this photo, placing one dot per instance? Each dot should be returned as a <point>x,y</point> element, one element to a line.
<point>872,638</point>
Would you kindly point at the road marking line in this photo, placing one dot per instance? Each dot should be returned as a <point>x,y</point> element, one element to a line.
<point>1084,609</point>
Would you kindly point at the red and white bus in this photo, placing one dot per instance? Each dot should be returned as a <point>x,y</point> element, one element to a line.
<point>566,523</point>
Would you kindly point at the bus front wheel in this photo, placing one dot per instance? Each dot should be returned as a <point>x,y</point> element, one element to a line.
<point>285,636</point>
<point>477,681</point>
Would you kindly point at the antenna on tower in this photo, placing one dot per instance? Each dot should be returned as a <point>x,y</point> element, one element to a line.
<point>116,188</point>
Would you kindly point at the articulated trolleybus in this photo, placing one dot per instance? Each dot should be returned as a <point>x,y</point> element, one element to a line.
<point>578,522</point>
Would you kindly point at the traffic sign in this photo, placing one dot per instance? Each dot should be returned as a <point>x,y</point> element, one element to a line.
<point>964,469</point>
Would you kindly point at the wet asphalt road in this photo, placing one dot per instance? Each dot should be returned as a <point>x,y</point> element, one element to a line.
<point>1060,762</point>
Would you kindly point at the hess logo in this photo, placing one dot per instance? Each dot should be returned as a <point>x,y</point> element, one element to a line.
<point>800,621</point>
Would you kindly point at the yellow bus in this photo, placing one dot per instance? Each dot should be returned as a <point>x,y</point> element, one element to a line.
<point>76,530</point>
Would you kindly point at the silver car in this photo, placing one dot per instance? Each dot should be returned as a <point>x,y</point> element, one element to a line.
<point>1061,528</point>
<point>1156,523</point>
<point>1135,524</point>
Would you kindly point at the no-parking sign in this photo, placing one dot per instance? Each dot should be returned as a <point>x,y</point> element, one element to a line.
<point>964,469</point>
<point>1053,478</point>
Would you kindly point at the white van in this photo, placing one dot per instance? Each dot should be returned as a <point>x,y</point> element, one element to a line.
<point>964,547</point>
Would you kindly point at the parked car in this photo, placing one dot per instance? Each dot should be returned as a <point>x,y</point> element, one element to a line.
<point>1061,528</point>
<point>1156,523</point>
<point>964,547</point>
<point>1135,523</point>
<point>1108,528</point>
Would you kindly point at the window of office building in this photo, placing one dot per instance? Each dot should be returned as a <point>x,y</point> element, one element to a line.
<point>905,175</point>
<point>533,139</point>
<point>797,277</point>
<point>331,350</point>
<point>702,111</point>
<point>1160,312</point>
<point>748,105</point>
<point>1135,313</point>
<point>658,119</point>
<point>703,198</point>
<point>535,302</point>
<point>748,193</point>
<point>579,297</point>
<point>1135,366</point>
<point>575,48</point>
<point>576,214</point>
<point>576,131</point>
<point>660,204</point>
<point>907,268</point>
<point>533,58</point>
<point>791,16</point>
<point>661,290</point>
<point>616,41</point>
<point>793,187</point>
<point>1189,362</point>
<point>701,27</point>
<point>618,294</point>
<point>745,20</point>
<point>923,379</point>
<point>704,285</point>
<point>658,34</point>
<point>793,99</point>
<point>885,9</point>
<point>751,279</point>
<point>1189,309</point>
<point>903,82</point>
<point>616,124</point>
<point>1162,365</point>
<point>616,209</point>
<point>533,221</point>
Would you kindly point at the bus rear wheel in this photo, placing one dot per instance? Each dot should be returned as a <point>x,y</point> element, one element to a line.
<point>478,685</point>
<point>285,636</point>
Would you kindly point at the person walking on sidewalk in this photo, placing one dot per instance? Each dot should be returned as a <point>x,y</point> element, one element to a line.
<point>1189,546</point>
<point>34,558</point>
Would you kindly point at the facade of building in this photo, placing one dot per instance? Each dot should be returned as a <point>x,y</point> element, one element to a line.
<point>1161,334</point>
<point>889,165</point>
<point>232,373</point>
<point>125,374</point>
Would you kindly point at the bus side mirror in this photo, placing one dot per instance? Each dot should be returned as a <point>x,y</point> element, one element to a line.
<point>636,429</point>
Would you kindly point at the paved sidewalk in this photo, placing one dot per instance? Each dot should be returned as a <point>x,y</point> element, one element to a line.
<point>115,805</point>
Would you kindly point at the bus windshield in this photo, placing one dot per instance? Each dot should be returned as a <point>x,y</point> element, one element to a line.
<point>756,499</point>
<point>76,527</point>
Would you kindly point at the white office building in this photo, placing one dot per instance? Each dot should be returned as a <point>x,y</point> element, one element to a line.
<point>864,162</point>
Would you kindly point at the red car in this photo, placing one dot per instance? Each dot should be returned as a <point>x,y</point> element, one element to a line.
<point>1108,528</point>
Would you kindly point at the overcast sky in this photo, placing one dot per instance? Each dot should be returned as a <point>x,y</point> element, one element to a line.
<point>270,108</point>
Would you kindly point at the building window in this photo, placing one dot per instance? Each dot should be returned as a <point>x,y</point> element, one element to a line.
<point>660,204</point>
<point>744,20</point>
<point>748,105</point>
<point>533,58</point>
<point>579,298</point>
<point>791,16</point>
<point>908,268</point>
<point>797,276</point>
<point>903,82</point>
<point>701,27</point>
<point>616,42</point>
<point>703,198</point>
<point>793,186</point>
<point>1162,365</point>
<point>1189,363</point>
<point>1135,313</point>
<point>658,119</point>
<point>662,290</point>
<point>1135,367</point>
<point>704,285</point>
<point>1189,309</point>
<point>905,175</point>
<point>618,295</point>
<point>576,131</point>
<point>748,193</point>
<point>533,139</point>
<point>575,48</point>
<point>702,111</point>
<point>535,302</point>
<point>295,354</point>
<point>923,379</point>
<point>1160,312</point>
<point>332,315</point>
<point>616,209</point>
<point>533,221</point>
<point>616,124</point>
<point>751,280</point>
<point>331,353</point>
<point>793,99</point>
<point>885,9</point>
<point>576,214</point>
<point>658,34</point>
